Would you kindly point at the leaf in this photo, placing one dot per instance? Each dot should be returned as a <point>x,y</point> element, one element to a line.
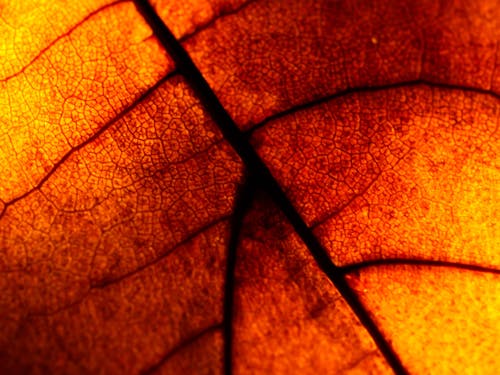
<point>337,213</point>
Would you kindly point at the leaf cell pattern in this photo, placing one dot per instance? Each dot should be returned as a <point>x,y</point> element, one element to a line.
<point>246,186</point>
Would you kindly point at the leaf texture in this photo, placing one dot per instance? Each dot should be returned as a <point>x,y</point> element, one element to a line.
<point>261,187</point>
<point>284,302</point>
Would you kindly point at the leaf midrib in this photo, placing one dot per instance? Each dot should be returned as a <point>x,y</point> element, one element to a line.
<point>259,171</point>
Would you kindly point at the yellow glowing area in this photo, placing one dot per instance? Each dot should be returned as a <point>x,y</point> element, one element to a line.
<point>441,320</point>
<point>64,94</point>
<point>29,27</point>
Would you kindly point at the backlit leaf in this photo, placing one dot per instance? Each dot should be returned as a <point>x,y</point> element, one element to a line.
<point>261,187</point>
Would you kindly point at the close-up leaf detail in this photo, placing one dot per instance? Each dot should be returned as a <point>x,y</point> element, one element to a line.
<point>249,187</point>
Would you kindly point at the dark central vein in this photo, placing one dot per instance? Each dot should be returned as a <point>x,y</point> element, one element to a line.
<point>243,202</point>
<point>258,169</point>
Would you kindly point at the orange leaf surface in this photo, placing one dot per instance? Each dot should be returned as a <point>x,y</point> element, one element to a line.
<point>237,186</point>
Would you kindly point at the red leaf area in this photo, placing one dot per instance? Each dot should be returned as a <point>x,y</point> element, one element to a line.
<point>281,187</point>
